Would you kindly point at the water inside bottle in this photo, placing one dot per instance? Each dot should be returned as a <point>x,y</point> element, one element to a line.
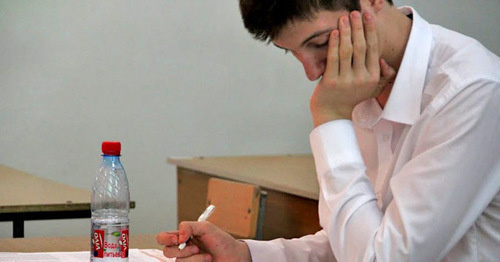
<point>110,235</point>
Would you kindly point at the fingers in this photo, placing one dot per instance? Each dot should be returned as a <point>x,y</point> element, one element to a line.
<point>192,251</point>
<point>358,42</point>
<point>387,71</point>
<point>353,48</point>
<point>387,74</point>
<point>171,243</point>
<point>386,79</point>
<point>345,51</point>
<point>187,229</point>
<point>372,55</point>
<point>332,64</point>
<point>168,238</point>
<point>188,251</point>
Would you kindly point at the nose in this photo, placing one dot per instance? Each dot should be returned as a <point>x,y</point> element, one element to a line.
<point>314,66</point>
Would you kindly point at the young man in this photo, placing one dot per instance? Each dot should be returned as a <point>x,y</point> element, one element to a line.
<point>406,143</point>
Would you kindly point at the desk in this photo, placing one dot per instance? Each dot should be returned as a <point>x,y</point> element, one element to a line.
<point>290,182</point>
<point>27,197</point>
<point>77,243</point>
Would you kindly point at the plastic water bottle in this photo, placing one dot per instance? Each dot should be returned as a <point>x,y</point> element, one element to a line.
<point>110,208</point>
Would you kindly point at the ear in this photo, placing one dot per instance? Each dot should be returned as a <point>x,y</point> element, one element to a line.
<point>374,5</point>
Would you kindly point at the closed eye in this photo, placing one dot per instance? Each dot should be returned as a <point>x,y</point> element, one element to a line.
<point>282,48</point>
<point>320,45</point>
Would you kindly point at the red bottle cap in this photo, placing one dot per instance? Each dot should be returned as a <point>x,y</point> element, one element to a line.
<point>111,148</point>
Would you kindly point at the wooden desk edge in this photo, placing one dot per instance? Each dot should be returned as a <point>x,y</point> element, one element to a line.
<point>50,208</point>
<point>180,162</point>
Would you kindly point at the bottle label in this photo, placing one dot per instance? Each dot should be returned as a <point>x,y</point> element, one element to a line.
<point>110,241</point>
<point>124,243</point>
<point>98,243</point>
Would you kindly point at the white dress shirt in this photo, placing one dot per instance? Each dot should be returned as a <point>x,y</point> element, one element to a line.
<point>420,179</point>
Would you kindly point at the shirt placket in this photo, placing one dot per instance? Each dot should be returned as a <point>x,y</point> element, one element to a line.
<point>384,132</point>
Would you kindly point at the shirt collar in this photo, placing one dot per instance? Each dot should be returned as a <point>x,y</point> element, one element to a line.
<point>404,103</point>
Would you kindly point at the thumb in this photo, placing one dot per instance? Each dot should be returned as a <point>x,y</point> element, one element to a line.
<point>190,228</point>
<point>387,72</point>
<point>387,75</point>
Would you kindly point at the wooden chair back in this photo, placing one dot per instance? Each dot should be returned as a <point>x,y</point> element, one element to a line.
<point>236,207</point>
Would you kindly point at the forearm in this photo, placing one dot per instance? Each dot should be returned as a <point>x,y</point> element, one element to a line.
<point>348,209</point>
<point>310,248</point>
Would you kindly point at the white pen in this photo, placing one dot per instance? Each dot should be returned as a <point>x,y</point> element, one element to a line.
<point>203,217</point>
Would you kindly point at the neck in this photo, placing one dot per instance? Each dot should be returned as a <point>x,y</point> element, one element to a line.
<point>396,28</point>
<point>394,36</point>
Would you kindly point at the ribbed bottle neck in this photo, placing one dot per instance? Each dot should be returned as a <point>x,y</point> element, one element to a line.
<point>111,160</point>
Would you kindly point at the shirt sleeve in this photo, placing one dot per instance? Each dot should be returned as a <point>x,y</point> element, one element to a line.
<point>310,248</point>
<point>448,175</point>
<point>347,204</point>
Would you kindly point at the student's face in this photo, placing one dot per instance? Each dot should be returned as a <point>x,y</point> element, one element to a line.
<point>307,40</point>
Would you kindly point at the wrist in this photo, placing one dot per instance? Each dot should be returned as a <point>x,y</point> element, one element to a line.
<point>321,118</point>
<point>244,251</point>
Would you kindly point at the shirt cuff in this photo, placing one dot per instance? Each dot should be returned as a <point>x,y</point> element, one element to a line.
<point>334,144</point>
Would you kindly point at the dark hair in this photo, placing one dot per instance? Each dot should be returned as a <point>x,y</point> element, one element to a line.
<point>265,19</point>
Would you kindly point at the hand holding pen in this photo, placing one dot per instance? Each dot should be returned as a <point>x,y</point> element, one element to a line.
<point>209,243</point>
<point>203,217</point>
